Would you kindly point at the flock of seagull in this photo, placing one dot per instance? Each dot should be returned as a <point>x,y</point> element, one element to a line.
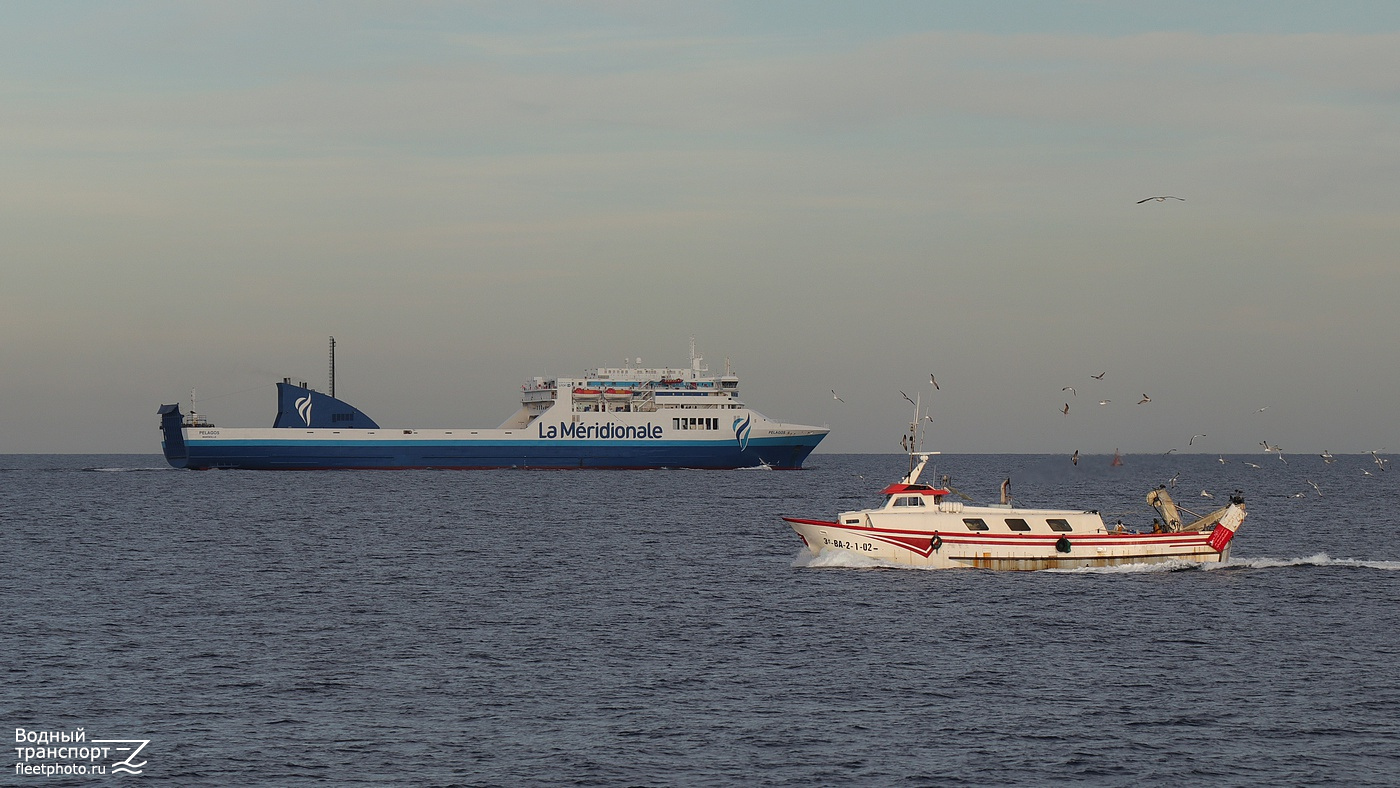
<point>1380,462</point>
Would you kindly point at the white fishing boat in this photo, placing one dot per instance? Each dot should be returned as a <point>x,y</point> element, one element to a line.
<point>919,525</point>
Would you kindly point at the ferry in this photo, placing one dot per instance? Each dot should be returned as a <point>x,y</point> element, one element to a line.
<point>919,525</point>
<point>609,417</point>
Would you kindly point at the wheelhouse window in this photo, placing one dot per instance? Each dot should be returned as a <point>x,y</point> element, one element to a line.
<point>909,500</point>
<point>975,523</point>
<point>1057,524</point>
<point>1017,524</point>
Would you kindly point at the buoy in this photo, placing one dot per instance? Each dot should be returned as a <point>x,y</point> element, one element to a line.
<point>935,543</point>
<point>1062,545</point>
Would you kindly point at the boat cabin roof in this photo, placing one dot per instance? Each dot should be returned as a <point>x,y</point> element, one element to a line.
<point>921,489</point>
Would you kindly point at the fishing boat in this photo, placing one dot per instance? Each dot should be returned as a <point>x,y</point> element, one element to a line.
<point>608,417</point>
<point>920,525</point>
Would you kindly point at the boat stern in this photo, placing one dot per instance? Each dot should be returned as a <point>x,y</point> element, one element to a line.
<point>1230,520</point>
<point>172,441</point>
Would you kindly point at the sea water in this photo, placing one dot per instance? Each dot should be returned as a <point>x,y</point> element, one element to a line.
<point>484,628</point>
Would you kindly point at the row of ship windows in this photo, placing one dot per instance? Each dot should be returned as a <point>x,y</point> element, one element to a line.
<point>1017,524</point>
<point>697,423</point>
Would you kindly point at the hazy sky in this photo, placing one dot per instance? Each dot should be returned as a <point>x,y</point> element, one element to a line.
<point>842,196</point>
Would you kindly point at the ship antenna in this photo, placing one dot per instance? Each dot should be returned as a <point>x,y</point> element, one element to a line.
<point>332,366</point>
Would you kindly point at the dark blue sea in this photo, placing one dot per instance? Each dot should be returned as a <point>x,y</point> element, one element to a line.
<point>616,628</point>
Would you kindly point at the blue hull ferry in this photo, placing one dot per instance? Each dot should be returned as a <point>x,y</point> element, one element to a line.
<point>623,417</point>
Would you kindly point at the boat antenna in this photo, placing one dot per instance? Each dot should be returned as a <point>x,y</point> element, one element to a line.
<point>332,366</point>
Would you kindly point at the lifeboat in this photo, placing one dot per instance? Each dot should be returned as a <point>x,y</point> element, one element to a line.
<point>582,393</point>
<point>618,395</point>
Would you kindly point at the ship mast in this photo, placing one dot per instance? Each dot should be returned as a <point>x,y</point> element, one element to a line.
<point>332,366</point>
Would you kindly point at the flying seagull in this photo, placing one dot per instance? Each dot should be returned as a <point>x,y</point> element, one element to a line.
<point>1327,457</point>
<point>1065,409</point>
<point>1105,401</point>
<point>1071,390</point>
<point>1261,410</point>
<point>1160,199</point>
<point>906,399</point>
<point>1075,458</point>
<point>1098,376</point>
<point>1194,437</point>
<point>1252,465</point>
<point>1205,494</point>
<point>1314,486</point>
<point>833,396</point>
<point>1223,460</point>
<point>1145,399</point>
<point>933,380</point>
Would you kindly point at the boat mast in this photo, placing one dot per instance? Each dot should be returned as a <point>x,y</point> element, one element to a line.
<point>332,366</point>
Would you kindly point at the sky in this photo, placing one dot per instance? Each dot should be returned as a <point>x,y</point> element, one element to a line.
<point>832,196</point>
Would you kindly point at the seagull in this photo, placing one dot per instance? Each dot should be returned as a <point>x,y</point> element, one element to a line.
<point>1160,199</point>
<point>933,380</point>
<point>1145,399</point>
<point>1281,459</point>
<point>1267,447</point>
<point>1105,401</point>
<point>1252,465</point>
<point>1099,376</point>
<point>1205,494</point>
<point>1298,495</point>
<point>1194,437</point>
<point>1168,451</point>
<point>1071,390</point>
<point>1314,486</point>
<point>1075,458</point>
<point>1065,409</point>
<point>1261,410</point>
<point>833,396</point>
<point>1172,481</point>
<point>1223,460</point>
<point>1327,457</point>
<point>906,399</point>
<point>1366,472</point>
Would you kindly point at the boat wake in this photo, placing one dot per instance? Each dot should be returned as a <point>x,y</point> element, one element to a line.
<point>128,470</point>
<point>839,559</point>
<point>1320,559</point>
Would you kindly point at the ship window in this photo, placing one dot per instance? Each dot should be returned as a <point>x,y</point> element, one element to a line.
<point>1017,524</point>
<point>1057,524</point>
<point>975,523</point>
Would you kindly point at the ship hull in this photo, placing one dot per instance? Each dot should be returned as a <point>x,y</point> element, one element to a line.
<point>788,453</point>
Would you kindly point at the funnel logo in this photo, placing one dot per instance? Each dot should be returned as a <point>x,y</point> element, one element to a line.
<point>742,427</point>
<point>304,409</point>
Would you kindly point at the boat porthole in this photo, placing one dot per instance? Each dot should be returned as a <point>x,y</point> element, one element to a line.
<point>1062,545</point>
<point>936,542</point>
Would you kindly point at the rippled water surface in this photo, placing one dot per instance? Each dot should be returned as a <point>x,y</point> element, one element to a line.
<point>664,628</point>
